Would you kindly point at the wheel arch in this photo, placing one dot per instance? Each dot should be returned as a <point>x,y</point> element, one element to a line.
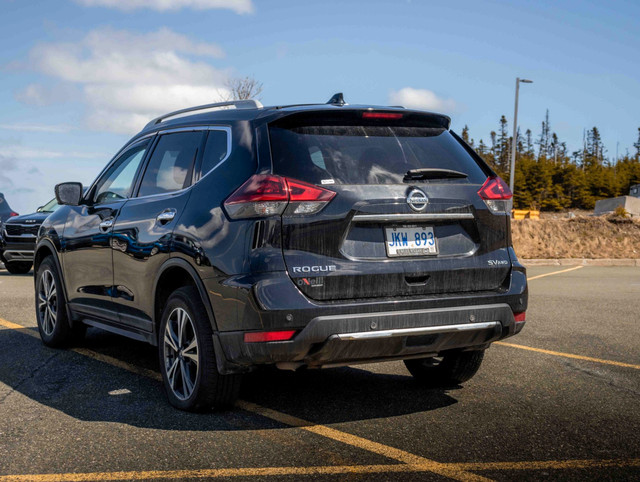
<point>173,274</point>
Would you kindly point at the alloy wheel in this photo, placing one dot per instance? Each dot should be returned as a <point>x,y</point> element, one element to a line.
<point>181,354</point>
<point>47,302</point>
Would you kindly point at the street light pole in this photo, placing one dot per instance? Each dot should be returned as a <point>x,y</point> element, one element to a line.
<point>514,142</point>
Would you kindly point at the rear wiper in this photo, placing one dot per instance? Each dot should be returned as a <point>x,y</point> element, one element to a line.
<point>433,173</point>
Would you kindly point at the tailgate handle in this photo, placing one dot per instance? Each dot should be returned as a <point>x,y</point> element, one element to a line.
<point>417,280</point>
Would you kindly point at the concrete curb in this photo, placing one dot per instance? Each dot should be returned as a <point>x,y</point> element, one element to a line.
<point>581,262</point>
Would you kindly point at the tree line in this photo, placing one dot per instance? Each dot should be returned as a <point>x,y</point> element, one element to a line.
<point>549,176</point>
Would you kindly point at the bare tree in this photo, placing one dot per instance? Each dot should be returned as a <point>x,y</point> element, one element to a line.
<point>244,88</point>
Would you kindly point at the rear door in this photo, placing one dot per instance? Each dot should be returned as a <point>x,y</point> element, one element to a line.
<point>407,218</point>
<point>142,236</point>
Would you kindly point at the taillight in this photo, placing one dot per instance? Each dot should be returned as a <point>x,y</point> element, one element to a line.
<point>306,198</point>
<point>267,195</point>
<point>264,336</point>
<point>496,195</point>
<point>520,317</point>
<point>13,213</point>
<point>381,115</point>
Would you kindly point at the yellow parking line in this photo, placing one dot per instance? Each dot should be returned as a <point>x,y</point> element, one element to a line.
<point>552,464</point>
<point>316,470</point>
<point>11,325</point>
<point>210,473</point>
<point>555,272</point>
<point>569,355</point>
<point>408,462</point>
<point>425,464</point>
<point>447,470</point>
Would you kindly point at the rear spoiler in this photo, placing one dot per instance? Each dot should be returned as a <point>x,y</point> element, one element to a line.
<point>354,116</point>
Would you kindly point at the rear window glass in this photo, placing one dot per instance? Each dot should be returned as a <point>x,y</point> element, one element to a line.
<point>367,154</point>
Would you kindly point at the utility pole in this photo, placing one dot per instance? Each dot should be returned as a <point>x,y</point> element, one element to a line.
<point>514,142</point>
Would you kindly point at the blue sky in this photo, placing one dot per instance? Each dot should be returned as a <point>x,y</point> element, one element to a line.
<point>79,77</point>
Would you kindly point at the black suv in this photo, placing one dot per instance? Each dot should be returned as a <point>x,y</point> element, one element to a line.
<point>18,238</point>
<point>234,235</point>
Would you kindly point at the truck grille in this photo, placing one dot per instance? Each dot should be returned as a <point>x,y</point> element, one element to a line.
<point>21,230</point>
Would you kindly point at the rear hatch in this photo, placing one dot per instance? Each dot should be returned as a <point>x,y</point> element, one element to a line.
<point>406,218</point>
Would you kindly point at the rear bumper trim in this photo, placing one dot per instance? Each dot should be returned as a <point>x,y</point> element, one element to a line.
<point>373,335</point>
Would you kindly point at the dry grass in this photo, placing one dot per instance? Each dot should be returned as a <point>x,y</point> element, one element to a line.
<point>579,237</point>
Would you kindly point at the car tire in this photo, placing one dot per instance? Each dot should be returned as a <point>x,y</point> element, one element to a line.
<point>51,308</point>
<point>187,357</point>
<point>18,267</point>
<point>450,369</point>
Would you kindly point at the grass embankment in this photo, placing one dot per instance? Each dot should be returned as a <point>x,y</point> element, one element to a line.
<point>579,237</point>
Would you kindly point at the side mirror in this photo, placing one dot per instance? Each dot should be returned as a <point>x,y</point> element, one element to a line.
<point>69,193</point>
<point>39,209</point>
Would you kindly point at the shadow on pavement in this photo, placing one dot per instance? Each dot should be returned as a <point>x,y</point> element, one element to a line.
<point>90,390</point>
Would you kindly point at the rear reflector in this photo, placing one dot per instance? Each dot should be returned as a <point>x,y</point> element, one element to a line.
<point>381,115</point>
<point>496,194</point>
<point>263,336</point>
<point>267,195</point>
<point>519,317</point>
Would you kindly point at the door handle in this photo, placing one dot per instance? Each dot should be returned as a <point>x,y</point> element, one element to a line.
<point>106,224</point>
<point>166,216</point>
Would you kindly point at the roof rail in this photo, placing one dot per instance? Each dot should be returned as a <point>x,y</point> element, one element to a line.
<point>238,104</point>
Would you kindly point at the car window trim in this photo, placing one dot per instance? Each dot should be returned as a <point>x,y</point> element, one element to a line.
<point>197,164</point>
<point>138,184</point>
<point>136,177</point>
<point>229,144</point>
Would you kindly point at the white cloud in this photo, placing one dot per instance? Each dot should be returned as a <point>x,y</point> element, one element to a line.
<point>37,127</point>
<point>238,6</point>
<point>125,79</point>
<point>20,153</point>
<point>421,99</point>
<point>44,95</point>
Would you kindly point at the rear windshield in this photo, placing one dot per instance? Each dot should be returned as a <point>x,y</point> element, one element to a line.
<point>368,154</point>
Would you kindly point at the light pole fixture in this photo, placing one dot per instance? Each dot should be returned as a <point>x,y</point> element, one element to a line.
<point>514,142</point>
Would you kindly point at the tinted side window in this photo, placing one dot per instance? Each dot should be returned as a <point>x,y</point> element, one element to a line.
<point>171,164</point>
<point>215,151</point>
<point>117,183</point>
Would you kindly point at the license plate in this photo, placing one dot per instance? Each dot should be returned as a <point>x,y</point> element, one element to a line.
<point>410,241</point>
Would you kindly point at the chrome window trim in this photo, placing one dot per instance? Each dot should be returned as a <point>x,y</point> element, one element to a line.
<point>133,142</point>
<point>226,129</point>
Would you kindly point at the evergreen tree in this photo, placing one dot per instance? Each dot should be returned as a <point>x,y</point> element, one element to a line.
<point>543,141</point>
<point>465,133</point>
<point>529,142</point>
<point>554,179</point>
<point>503,147</point>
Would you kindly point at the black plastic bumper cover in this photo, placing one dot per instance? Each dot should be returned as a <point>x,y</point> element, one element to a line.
<point>341,339</point>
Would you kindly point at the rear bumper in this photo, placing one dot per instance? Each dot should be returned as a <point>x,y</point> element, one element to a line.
<point>357,331</point>
<point>336,340</point>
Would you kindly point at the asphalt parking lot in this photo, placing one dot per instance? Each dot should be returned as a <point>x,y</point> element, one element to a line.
<point>561,401</point>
